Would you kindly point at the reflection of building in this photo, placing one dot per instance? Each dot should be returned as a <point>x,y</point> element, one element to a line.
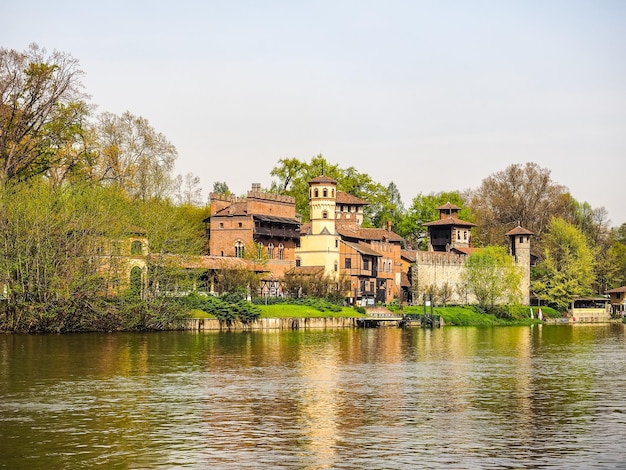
<point>260,225</point>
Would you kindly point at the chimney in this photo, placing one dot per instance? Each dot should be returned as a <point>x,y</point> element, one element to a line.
<point>256,187</point>
<point>389,225</point>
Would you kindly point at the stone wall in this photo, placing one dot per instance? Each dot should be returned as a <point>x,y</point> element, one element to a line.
<point>207,324</point>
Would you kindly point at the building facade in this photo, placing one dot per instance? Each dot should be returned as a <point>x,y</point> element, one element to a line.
<point>260,225</point>
<point>366,260</point>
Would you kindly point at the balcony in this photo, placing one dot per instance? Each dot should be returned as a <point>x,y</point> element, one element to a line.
<point>276,232</point>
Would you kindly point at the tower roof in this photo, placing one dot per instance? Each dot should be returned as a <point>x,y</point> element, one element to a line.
<point>519,230</point>
<point>323,179</point>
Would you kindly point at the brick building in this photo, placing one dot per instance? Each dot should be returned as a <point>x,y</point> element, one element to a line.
<point>259,225</point>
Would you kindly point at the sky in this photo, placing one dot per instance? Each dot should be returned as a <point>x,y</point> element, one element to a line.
<point>433,95</point>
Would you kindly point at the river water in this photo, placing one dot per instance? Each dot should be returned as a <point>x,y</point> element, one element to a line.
<point>457,397</point>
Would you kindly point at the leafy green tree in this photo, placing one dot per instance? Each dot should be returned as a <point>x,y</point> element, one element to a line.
<point>220,187</point>
<point>42,111</point>
<point>492,277</point>
<point>293,176</point>
<point>567,268</point>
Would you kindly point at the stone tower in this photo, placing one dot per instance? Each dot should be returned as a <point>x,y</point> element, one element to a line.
<point>519,248</point>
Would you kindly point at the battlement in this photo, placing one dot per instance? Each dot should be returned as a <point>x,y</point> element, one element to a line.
<point>255,194</point>
<point>264,196</point>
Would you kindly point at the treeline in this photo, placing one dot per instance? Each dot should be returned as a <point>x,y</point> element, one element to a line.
<point>71,183</point>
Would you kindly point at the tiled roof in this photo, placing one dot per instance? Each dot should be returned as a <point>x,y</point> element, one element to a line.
<point>306,270</point>
<point>345,198</point>
<point>208,262</point>
<point>519,230</point>
<point>237,208</point>
<point>362,248</point>
<point>616,290</point>
<point>448,206</point>
<point>449,221</point>
<point>409,255</point>
<point>370,234</point>
<point>323,179</point>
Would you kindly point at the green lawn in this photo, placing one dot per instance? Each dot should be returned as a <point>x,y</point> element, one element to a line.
<point>304,311</point>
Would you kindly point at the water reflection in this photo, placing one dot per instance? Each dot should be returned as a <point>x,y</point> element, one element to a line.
<point>454,397</point>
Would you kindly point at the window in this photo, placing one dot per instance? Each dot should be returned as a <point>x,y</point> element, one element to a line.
<point>348,263</point>
<point>332,192</point>
<point>298,261</point>
<point>465,235</point>
<point>325,192</point>
<point>135,248</point>
<point>317,193</point>
<point>270,250</point>
<point>325,215</point>
<point>366,264</point>
<point>240,225</point>
<point>336,266</point>
<point>281,251</point>
<point>336,243</point>
<point>521,239</point>
<point>239,249</point>
<point>221,224</point>
<point>259,251</point>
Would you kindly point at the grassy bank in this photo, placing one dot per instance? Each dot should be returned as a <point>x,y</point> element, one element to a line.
<point>468,316</point>
<point>459,316</point>
<point>304,311</point>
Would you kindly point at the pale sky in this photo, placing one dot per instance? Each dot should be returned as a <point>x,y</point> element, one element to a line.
<point>432,95</point>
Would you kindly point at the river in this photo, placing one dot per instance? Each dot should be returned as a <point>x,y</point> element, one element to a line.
<point>458,397</point>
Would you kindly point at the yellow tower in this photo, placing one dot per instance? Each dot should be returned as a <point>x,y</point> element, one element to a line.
<point>319,246</point>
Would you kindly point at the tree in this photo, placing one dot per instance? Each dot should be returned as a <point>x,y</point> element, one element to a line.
<point>188,190</point>
<point>492,277</point>
<point>567,268</point>
<point>42,111</point>
<point>220,187</point>
<point>293,178</point>
<point>133,156</point>
<point>521,194</point>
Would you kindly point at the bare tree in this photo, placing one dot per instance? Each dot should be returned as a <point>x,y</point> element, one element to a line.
<point>134,156</point>
<point>42,108</point>
<point>521,194</point>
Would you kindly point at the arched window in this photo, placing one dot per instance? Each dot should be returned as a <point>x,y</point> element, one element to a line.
<point>336,266</point>
<point>239,249</point>
<point>281,251</point>
<point>317,193</point>
<point>325,214</point>
<point>332,192</point>
<point>270,250</point>
<point>325,192</point>
<point>259,251</point>
<point>135,248</point>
